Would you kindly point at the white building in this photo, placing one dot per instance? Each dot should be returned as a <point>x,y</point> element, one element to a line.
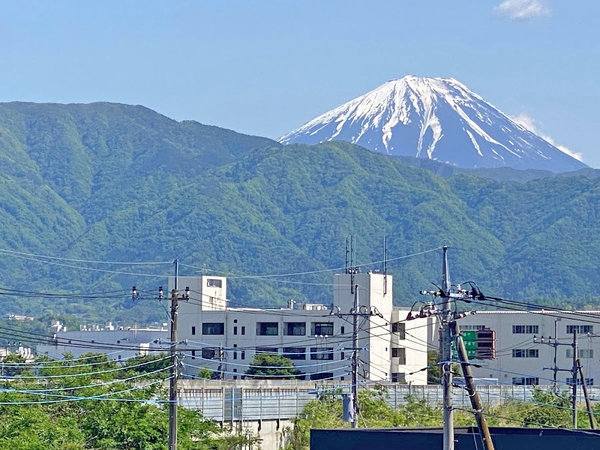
<point>525,350</point>
<point>116,344</point>
<point>317,338</point>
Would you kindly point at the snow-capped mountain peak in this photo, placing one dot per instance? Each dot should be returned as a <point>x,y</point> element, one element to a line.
<point>435,118</point>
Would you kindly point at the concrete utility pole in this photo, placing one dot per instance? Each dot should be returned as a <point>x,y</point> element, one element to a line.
<point>174,363</point>
<point>446,355</point>
<point>447,320</point>
<point>355,359</point>
<point>175,297</point>
<point>573,370</point>
<point>484,431</point>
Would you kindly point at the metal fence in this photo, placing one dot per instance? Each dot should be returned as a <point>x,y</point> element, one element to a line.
<point>243,401</point>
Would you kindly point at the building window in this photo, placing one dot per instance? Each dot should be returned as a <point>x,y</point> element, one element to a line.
<point>243,354</point>
<point>208,353</point>
<point>399,353</point>
<point>235,330</point>
<point>214,328</point>
<point>193,354</point>
<point>588,381</point>
<point>321,353</point>
<point>322,328</point>
<point>321,376</point>
<point>342,330</point>
<point>342,356</point>
<point>193,331</point>
<point>294,352</point>
<point>526,329</point>
<point>266,349</point>
<point>243,330</point>
<point>526,381</point>
<point>294,328</point>
<point>582,353</point>
<point>267,329</point>
<point>580,329</point>
<point>471,327</point>
<point>525,353</point>
<point>400,328</point>
<point>399,377</point>
<point>213,282</point>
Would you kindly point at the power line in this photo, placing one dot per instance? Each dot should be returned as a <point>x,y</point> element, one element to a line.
<point>87,261</point>
<point>311,272</point>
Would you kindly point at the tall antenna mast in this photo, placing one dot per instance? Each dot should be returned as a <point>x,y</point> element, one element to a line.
<point>347,255</point>
<point>352,268</point>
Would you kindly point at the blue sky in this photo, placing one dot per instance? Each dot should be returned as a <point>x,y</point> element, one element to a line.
<point>266,67</point>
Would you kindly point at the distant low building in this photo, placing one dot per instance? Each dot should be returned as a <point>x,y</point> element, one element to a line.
<point>19,318</point>
<point>116,344</point>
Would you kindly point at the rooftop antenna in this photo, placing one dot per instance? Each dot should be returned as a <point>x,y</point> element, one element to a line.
<point>352,268</point>
<point>346,255</point>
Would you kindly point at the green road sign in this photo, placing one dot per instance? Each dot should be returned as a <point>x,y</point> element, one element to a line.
<point>469,335</point>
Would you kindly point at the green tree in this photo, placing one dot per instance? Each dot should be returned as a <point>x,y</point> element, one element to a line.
<point>272,365</point>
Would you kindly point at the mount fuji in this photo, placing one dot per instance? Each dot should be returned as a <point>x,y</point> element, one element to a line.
<point>438,119</point>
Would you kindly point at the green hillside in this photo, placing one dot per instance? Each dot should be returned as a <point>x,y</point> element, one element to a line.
<point>109,182</point>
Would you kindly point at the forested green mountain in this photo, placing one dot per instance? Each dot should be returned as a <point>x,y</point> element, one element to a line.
<point>107,182</point>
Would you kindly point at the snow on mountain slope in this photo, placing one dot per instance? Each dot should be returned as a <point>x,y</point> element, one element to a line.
<point>435,118</point>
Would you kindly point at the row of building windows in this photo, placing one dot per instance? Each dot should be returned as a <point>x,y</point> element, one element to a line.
<point>526,381</point>
<point>588,381</point>
<point>272,329</point>
<point>296,353</point>
<point>525,329</point>
<point>582,353</point>
<point>529,381</point>
<point>525,353</point>
<point>534,329</point>
<point>580,329</point>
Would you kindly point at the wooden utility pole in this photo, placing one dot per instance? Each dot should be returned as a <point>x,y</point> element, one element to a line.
<point>484,431</point>
<point>574,376</point>
<point>585,394</point>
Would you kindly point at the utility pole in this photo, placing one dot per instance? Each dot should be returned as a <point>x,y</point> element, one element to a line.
<point>585,394</point>
<point>174,362</point>
<point>446,355</point>
<point>574,377</point>
<point>447,319</point>
<point>484,431</point>
<point>573,370</point>
<point>355,359</point>
<point>175,297</point>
